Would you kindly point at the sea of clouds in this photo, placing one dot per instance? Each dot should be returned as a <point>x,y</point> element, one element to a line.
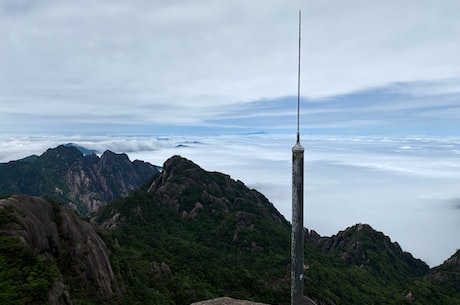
<point>406,187</point>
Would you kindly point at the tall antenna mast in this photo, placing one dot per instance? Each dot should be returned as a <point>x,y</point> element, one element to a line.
<point>298,80</point>
<point>297,242</point>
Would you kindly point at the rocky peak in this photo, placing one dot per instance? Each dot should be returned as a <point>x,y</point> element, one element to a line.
<point>189,190</point>
<point>176,170</point>
<point>63,152</point>
<point>109,156</point>
<point>454,260</point>
<point>85,182</point>
<point>358,237</point>
<point>448,272</point>
<point>363,246</point>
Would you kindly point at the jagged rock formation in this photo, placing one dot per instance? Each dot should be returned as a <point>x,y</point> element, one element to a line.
<point>365,257</point>
<point>85,182</point>
<point>359,244</point>
<point>65,240</point>
<point>182,179</point>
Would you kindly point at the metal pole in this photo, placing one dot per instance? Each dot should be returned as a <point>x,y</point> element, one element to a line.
<point>297,239</point>
<point>298,79</point>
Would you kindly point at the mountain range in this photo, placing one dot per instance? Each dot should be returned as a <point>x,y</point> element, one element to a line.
<point>75,176</point>
<point>187,235</point>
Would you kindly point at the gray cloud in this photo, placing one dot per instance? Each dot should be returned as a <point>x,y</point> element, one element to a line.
<point>190,59</point>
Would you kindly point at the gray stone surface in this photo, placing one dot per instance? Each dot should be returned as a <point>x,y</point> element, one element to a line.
<point>226,301</point>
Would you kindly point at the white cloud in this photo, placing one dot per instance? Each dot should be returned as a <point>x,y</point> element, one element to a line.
<point>406,187</point>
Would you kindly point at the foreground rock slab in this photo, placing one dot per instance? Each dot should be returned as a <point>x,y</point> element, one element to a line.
<point>226,301</point>
<point>230,301</point>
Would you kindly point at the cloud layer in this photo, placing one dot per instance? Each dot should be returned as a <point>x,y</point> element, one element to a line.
<point>406,187</point>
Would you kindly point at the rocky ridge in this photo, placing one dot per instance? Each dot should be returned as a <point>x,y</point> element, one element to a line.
<point>66,175</point>
<point>358,244</point>
<point>182,179</point>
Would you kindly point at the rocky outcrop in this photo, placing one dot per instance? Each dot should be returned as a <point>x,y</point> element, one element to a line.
<point>84,182</point>
<point>193,192</point>
<point>159,270</point>
<point>231,301</point>
<point>62,236</point>
<point>454,260</point>
<point>357,245</point>
<point>447,272</point>
<point>226,301</point>
<point>58,294</point>
<point>189,190</point>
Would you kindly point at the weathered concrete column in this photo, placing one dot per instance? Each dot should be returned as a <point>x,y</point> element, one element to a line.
<point>297,239</point>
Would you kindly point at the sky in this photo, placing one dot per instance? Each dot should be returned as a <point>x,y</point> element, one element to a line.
<point>142,67</point>
<point>380,98</point>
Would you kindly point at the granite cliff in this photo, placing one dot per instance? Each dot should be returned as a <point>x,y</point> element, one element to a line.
<point>70,246</point>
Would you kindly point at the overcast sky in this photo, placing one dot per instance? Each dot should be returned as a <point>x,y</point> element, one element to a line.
<point>380,98</point>
<point>224,66</point>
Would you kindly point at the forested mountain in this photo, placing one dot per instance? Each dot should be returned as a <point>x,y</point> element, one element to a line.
<point>82,181</point>
<point>192,235</point>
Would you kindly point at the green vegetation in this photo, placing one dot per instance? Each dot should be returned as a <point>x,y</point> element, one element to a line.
<point>246,255</point>
<point>202,262</point>
<point>25,277</point>
<point>200,235</point>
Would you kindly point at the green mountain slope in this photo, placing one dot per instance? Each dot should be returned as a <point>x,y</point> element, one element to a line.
<point>364,267</point>
<point>191,235</point>
<point>213,236</point>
